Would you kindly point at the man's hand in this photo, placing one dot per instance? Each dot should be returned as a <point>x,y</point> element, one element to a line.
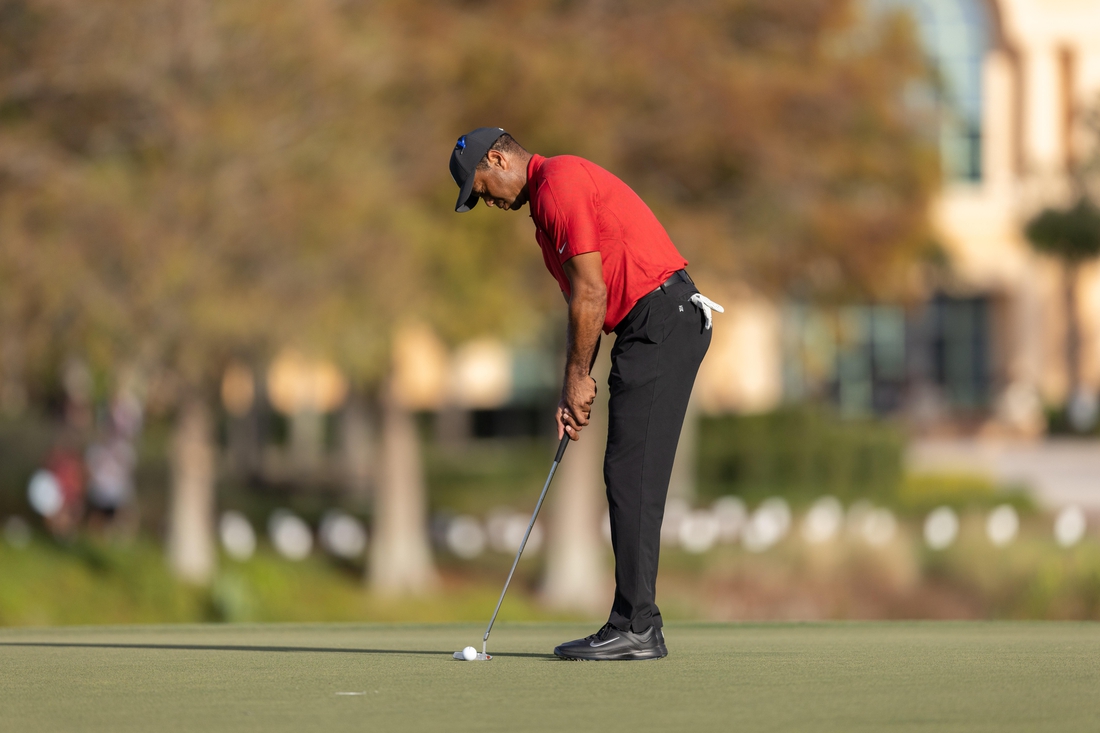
<point>575,406</point>
<point>587,306</point>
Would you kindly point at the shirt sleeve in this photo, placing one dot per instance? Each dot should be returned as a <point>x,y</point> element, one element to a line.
<point>572,220</point>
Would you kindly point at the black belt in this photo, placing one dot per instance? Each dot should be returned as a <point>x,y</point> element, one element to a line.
<point>676,277</point>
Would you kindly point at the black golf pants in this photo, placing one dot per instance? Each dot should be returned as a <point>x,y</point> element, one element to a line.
<point>656,356</point>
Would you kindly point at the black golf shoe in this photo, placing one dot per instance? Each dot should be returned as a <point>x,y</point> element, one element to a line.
<point>609,644</point>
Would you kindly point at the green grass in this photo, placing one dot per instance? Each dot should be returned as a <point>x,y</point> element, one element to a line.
<point>99,582</point>
<point>953,676</point>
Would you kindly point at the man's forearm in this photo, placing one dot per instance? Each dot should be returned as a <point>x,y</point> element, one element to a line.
<point>586,316</point>
<point>587,308</point>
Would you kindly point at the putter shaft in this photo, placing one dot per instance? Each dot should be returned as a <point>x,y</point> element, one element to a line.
<point>530,525</point>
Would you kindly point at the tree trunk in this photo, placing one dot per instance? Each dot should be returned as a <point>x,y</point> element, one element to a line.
<point>307,441</point>
<point>682,485</point>
<point>453,427</point>
<point>400,557</point>
<point>357,449</point>
<point>191,547</point>
<point>1073,333</point>
<point>1081,406</point>
<point>576,570</point>
<point>244,447</point>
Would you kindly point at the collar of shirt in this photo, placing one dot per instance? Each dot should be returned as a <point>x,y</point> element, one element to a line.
<point>534,180</point>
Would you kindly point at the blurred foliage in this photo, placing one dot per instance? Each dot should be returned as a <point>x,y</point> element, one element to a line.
<point>24,445</point>
<point>48,584</point>
<point>1031,579</point>
<point>923,492</point>
<point>1072,234</point>
<point>487,474</point>
<point>103,583</point>
<point>800,453</point>
<point>182,183</point>
<point>185,183</point>
<point>771,136</point>
<point>1058,423</point>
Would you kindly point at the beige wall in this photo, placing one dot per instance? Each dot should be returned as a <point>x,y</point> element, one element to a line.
<point>743,368</point>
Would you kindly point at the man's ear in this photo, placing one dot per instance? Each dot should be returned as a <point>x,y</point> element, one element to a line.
<point>498,159</point>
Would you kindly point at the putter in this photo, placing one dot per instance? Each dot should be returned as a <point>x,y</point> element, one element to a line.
<point>484,655</point>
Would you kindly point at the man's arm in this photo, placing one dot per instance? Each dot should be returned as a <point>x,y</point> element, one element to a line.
<point>587,308</point>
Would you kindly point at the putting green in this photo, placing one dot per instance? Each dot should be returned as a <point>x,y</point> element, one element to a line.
<point>746,677</point>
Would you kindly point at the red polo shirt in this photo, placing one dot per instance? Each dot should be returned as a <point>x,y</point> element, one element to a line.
<point>579,207</point>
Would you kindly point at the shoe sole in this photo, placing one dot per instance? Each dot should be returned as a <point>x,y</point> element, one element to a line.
<point>633,657</point>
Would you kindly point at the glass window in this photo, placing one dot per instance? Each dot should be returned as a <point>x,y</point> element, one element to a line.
<point>956,36</point>
<point>961,349</point>
<point>853,356</point>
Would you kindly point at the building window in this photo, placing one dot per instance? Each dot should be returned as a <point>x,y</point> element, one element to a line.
<point>956,36</point>
<point>866,358</point>
<point>953,349</point>
<point>960,330</point>
<point>854,356</point>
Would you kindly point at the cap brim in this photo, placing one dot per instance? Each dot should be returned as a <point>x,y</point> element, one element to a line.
<point>466,199</point>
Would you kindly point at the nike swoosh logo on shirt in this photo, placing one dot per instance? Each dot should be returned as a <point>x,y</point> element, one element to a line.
<point>562,247</point>
<point>592,643</point>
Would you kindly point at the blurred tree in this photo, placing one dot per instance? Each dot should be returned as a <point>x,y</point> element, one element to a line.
<point>400,561</point>
<point>1073,236</point>
<point>772,137</point>
<point>187,183</point>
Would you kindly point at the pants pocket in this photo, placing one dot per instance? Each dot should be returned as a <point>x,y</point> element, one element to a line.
<point>655,328</point>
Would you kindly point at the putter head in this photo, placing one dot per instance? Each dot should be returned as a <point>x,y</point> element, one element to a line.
<point>481,657</point>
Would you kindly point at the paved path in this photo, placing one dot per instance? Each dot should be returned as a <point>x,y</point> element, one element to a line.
<point>1059,471</point>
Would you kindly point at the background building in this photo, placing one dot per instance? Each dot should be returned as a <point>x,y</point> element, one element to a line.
<point>982,350</point>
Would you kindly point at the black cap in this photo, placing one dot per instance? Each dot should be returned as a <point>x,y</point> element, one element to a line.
<point>468,152</point>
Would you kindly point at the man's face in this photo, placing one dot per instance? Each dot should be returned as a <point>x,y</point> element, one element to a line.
<point>503,184</point>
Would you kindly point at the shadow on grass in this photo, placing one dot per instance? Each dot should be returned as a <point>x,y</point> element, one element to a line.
<point>231,648</point>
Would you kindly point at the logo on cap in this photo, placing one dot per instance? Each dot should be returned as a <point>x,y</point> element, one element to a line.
<point>461,144</point>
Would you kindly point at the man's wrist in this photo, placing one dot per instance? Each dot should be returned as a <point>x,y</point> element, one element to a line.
<point>576,371</point>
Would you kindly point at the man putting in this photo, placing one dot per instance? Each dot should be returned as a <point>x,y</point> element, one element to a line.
<point>618,271</point>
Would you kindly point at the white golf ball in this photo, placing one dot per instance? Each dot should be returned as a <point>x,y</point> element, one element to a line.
<point>469,654</point>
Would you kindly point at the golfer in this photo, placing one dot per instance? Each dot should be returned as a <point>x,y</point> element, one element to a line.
<point>618,271</point>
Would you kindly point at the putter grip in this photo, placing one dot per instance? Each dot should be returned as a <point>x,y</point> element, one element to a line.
<point>561,448</point>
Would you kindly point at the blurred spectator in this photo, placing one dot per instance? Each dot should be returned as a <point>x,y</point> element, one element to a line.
<point>67,467</point>
<point>111,465</point>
